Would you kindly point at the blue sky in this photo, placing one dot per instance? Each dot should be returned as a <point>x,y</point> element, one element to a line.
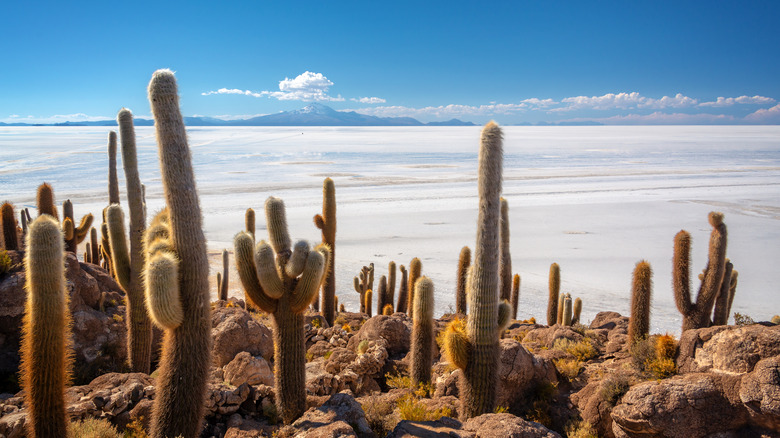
<point>637,62</point>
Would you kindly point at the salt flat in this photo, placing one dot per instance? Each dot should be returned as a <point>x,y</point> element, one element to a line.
<point>596,200</point>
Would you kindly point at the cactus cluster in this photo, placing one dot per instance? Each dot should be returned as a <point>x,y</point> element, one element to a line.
<point>363,283</point>
<point>283,281</point>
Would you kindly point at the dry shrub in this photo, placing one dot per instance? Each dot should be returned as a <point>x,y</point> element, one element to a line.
<point>614,387</point>
<point>411,408</point>
<point>379,415</point>
<point>93,428</point>
<point>582,350</point>
<point>569,368</point>
<point>580,429</point>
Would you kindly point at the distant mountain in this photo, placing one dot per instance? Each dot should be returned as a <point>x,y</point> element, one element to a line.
<point>314,114</point>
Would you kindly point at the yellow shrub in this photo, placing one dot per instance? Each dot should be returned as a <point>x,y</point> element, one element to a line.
<point>582,350</point>
<point>569,368</point>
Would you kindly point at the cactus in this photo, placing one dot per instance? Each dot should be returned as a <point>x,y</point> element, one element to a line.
<point>341,308</point>
<point>504,258</point>
<point>113,181</point>
<point>577,311</point>
<point>363,283</point>
<point>8,218</point>
<point>249,221</point>
<point>45,347</point>
<point>163,297</point>
<point>559,316</point>
<point>45,201</point>
<point>391,283</point>
<point>80,232</point>
<point>554,288</point>
<point>387,310</point>
<point>567,311</point>
<point>697,315</point>
<point>463,267</point>
<point>475,348</point>
<point>266,280</point>
<point>515,294</point>
<point>722,307</point>
<point>422,333</point>
<point>95,256</point>
<point>327,223</point>
<point>24,217</point>
<point>641,290</point>
<point>222,283</point>
<point>415,270</point>
<point>186,352</point>
<point>403,290</point>
<point>382,294</point>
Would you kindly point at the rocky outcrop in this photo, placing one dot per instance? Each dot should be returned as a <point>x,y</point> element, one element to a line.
<point>345,369</point>
<point>394,329</point>
<point>727,349</point>
<point>760,393</point>
<point>505,426</point>
<point>545,337</point>
<point>234,330</point>
<point>519,372</point>
<point>612,329</point>
<point>442,428</point>
<point>252,370</point>
<point>324,420</point>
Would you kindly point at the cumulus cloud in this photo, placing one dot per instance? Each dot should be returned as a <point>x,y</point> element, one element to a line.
<point>768,115</point>
<point>743,100</point>
<point>307,86</point>
<point>371,100</point>
<point>443,111</point>
<point>661,118</point>
<point>631,100</point>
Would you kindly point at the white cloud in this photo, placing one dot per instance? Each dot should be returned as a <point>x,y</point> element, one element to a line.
<point>743,100</point>
<point>442,111</point>
<point>371,100</point>
<point>768,115</point>
<point>661,118</point>
<point>57,118</point>
<point>307,86</point>
<point>540,103</point>
<point>631,100</point>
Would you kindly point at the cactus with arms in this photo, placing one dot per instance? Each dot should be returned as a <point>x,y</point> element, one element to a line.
<point>475,348</point>
<point>186,352</point>
<point>363,283</point>
<point>80,231</point>
<point>283,282</point>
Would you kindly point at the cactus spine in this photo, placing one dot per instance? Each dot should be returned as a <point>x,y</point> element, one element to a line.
<point>186,352</point>
<point>554,285</point>
<point>422,333</point>
<point>697,315</point>
<point>113,181</point>
<point>265,278</point>
<point>45,349</point>
<point>641,290</point>
<point>327,223</point>
<point>415,270</point>
<point>505,258</point>
<point>515,294</point>
<point>464,261</point>
<point>8,218</point>
<point>403,290</point>
<point>363,283</point>
<point>479,359</point>
<point>222,283</point>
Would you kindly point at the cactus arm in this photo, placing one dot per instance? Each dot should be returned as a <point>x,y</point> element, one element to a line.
<point>297,262</point>
<point>721,314</point>
<point>67,229</point>
<point>716,267</point>
<point>120,257</point>
<point>162,290</point>
<point>515,294</point>
<point>464,261</point>
<point>83,228</point>
<point>249,222</point>
<point>309,282</point>
<point>505,257</point>
<point>681,272</point>
<point>266,270</point>
<point>244,245</point>
<point>504,315</point>
<point>457,348</point>
<point>278,234</point>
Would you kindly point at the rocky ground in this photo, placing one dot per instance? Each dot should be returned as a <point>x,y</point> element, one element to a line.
<point>554,381</point>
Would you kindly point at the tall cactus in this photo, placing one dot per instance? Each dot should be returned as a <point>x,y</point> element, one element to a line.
<point>577,311</point>
<point>113,180</point>
<point>186,352</point>
<point>422,333</point>
<point>45,201</point>
<point>415,270</point>
<point>45,349</point>
<point>363,283</point>
<point>327,223</point>
<point>479,357</point>
<point>559,317</point>
<point>390,283</point>
<point>464,261</point>
<point>567,310</point>
<point>8,218</point>
<point>283,282</point>
<point>515,294</point>
<point>382,298</point>
<point>697,315</point>
<point>554,286</point>
<point>80,231</point>
<point>641,290</point>
<point>505,257</point>
<point>95,256</point>
<point>403,290</point>
<point>223,280</point>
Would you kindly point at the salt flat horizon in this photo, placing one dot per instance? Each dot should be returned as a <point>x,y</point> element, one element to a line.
<point>595,199</point>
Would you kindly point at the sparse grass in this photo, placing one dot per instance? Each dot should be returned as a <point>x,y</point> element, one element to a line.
<point>501,410</point>
<point>92,428</point>
<point>347,328</point>
<point>582,350</point>
<point>743,320</point>
<point>5,263</point>
<point>614,387</point>
<point>655,356</point>
<point>542,396</point>
<point>117,317</point>
<point>327,354</point>
<point>316,323</point>
<point>309,357</point>
<point>580,429</point>
<point>398,381</point>
<point>134,430</point>
<point>661,367</point>
<point>569,368</point>
<point>411,408</point>
<point>775,320</point>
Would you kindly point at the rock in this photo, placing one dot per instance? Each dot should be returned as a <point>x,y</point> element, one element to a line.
<point>372,361</point>
<point>519,372</point>
<point>444,427</point>
<point>339,359</point>
<point>319,349</point>
<point>233,331</point>
<point>248,429</point>
<point>252,370</point>
<point>546,336</point>
<point>693,405</point>
<point>506,426</point>
<point>608,321</point>
<point>12,425</point>
<point>395,329</point>
<point>727,349</point>
<point>760,393</point>
<point>339,407</point>
<point>447,383</point>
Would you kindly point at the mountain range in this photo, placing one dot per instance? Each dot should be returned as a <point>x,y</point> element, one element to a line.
<point>314,114</point>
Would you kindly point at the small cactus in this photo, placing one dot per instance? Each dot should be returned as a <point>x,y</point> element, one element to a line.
<point>391,283</point>
<point>554,289</point>
<point>363,283</point>
<point>368,298</point>
<point>222,282</point>
<point>403,290</point>
<point>80,231</point>
<point>464,261</point>
<point>577,311</point>
<point>515,294</point>
<point>641,290</point>
<point>415,270</point>
<point>567,311</point>
<point>722,307</point>
<point>8,218</point>
<point>249,221</point>
<point>387,310</point>
<point>45,201</point>
<point>422,333</point>
<point>113,181</point>
<point>382,298</point>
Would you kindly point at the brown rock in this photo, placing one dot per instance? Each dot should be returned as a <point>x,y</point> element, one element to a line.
<point>12,425</point>
<point>233,331</point>
<point>395,329</point>
<point>252,370</point>
<point>444,427</point>
<point>339,359</point>
<point>546,336</point>
<point>727,349</point>
<point>760,393</point>
<point>339,407</point>
<point>694,405</point>
<point>506,426</point>
<point>608,321</point>
<point>519,372</point>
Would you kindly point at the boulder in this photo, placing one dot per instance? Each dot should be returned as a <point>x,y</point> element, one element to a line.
<point>339,359</point>
<point>233,331</point>
<point>727,349</point>
<point>395,329</point>
<point>505,426</point>
<point>252,370</point>
<point>608,321</point>
<point>340,407</point>
<point>693,405</point>
<point>444,427</point>
<point>760,393</point>
<point>519,372</point>
<point>546,336</point>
